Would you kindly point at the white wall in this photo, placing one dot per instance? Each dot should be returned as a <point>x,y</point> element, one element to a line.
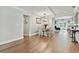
<point>11,24</point>
<point>33,26</point>
<point>50,19</point>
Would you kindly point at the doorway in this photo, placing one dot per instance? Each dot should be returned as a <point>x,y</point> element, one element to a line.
<point>26,25</point>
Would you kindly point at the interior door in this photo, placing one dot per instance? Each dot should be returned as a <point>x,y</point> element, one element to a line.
<point>26,25</point>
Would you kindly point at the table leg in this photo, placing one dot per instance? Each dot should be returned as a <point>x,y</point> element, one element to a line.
<point>74,38</point>
<point>43,33</point>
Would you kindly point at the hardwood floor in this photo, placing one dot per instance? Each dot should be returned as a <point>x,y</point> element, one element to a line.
<point>59,43</point>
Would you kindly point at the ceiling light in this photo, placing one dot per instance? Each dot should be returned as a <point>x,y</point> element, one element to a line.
<point>73,6</point>
<point>44,13</point>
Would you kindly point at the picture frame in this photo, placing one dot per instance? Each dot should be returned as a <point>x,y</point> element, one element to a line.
<point>38,20</point>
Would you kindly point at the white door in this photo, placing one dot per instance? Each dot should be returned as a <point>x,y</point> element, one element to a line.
<point>26,25</point>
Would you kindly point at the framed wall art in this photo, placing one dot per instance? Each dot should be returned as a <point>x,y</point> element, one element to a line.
<point>38,20</point>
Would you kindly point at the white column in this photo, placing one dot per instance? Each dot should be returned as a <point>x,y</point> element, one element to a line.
<point>75,14</point>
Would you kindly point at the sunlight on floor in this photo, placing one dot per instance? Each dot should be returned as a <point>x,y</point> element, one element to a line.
<point>63,40</point>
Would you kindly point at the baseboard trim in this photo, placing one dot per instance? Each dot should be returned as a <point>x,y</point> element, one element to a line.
<point>26,35</point>
<point>8,41</point>
<point>33,34</point>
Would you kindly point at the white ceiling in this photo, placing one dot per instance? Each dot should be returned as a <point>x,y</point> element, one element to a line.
<point>40,10</point>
